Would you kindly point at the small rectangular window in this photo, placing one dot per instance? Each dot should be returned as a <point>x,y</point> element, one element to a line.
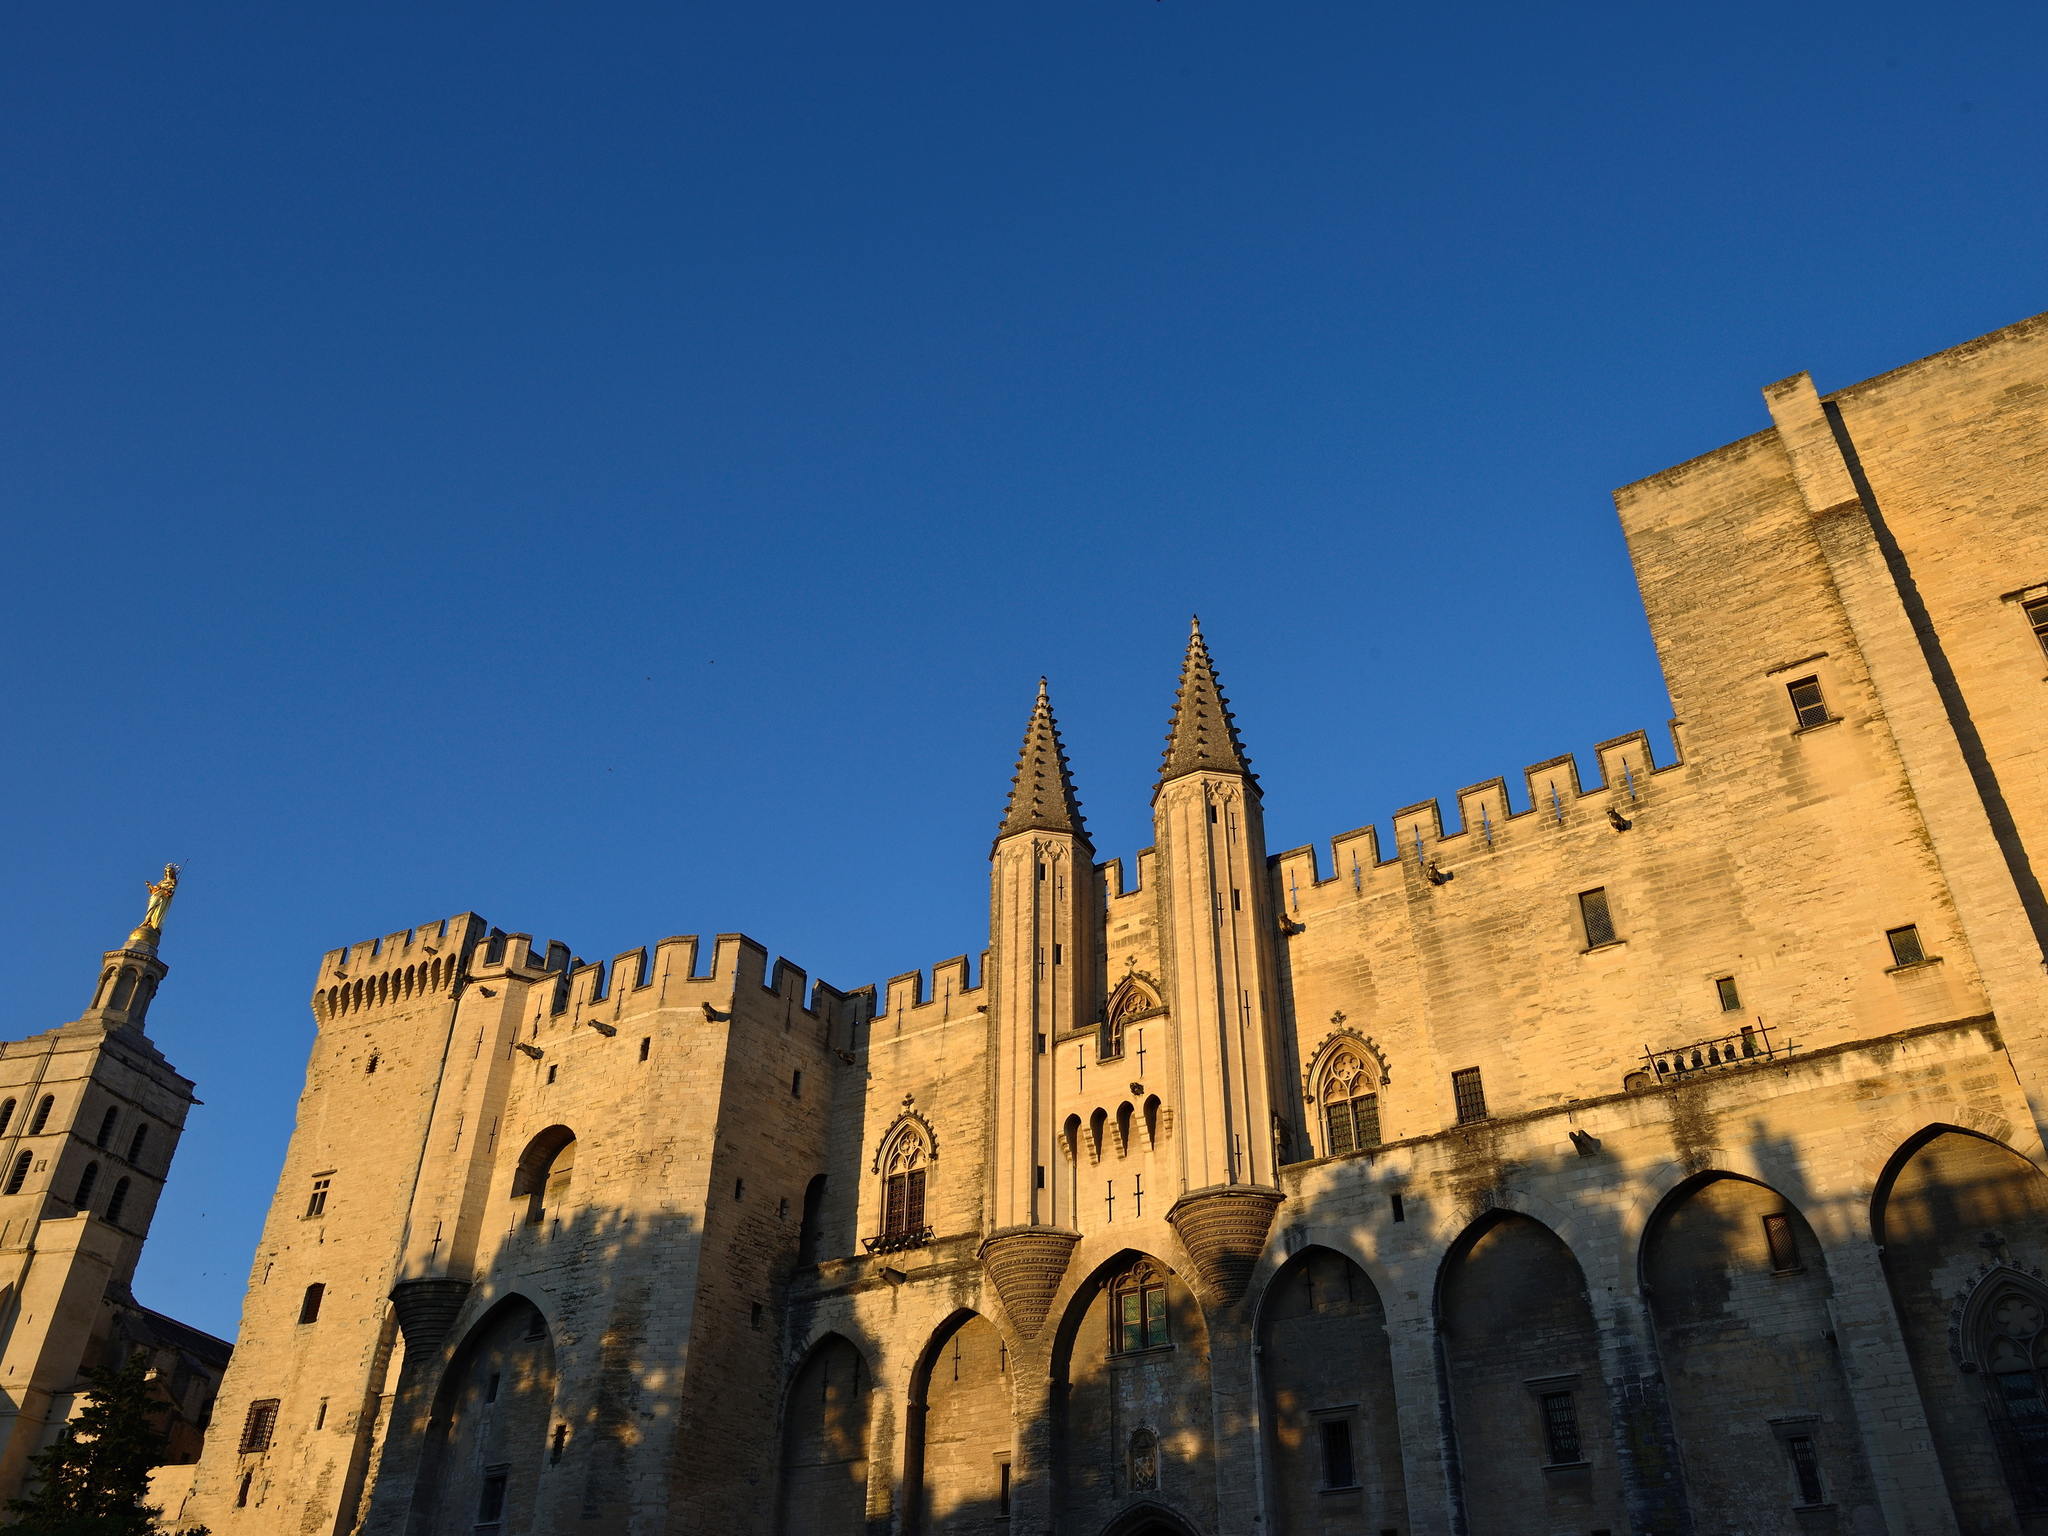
<point>259,1426</point>
<point>1470,1094</point>
<point>1807,703</point>
<point>1598,921</point>
<point>1337,1468</point>
<point>490,1498</point>
<point>2037,615</point>
<point>309,1305</point>
<point>796,1083</point>
<point>1003,1489</point>
<point>1805,1468</point>
<point>646,1043</point>
<point>1398,1207</point>
<point>1561,1428</point>
<point>1906,946</point>
<point>316,1202</point>
<point>754,1314</point>
<point>1730,998</point>
<point>1782,1243</point>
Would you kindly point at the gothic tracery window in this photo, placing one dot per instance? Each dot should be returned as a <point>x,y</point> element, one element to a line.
<point>1351,1105</point>
<point>1130,1001</point>
<point>906,1170</point>
<point>2013,1355</point>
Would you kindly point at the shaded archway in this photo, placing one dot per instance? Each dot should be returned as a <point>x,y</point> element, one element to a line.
<point>1132,1417</point>
<point>1535,1437</point>
<point>1149,1520</point>
<point>491,1432</point>
<point>544,1174</point>
<point>1332,1436</point>
<point>823,1489</point>
<point>1954,1213</point>
<point>959,1437</point>
<point>1740,1297</point>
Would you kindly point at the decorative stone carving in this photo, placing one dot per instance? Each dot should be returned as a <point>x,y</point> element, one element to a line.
<point>1224,1228</point>
<point>1025,1264</point>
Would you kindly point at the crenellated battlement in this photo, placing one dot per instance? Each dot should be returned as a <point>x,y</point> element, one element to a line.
<point>401,968</point>
<point>1120,880</point>
<point>951,980</point>
<point>1554,800</point>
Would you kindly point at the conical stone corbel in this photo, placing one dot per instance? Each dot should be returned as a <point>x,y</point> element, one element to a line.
<point>1026,1264</point>
<point>1224,1229</point>
<point>426,1311</point>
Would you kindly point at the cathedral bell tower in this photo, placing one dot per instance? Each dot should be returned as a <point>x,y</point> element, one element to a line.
<point>1041,967</point>
<point>1218,932</point>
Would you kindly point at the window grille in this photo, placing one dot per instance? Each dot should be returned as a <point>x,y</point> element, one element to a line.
<point>6,1116</point>
<point>1806,1468</point>
<point>490,1498</point>
<point>1351,1113</point>
<point>1598,921</point>
<point>106,1127</point>
<point>1561,1428</point>
<point>309,1308</point>
<point>1782,1243</point>
<point>2037,615</point>
<point>1730,998</point>
<point>316,1202</point>
<point>1470,1094</point>
<point>86,1181</point>
<point>1337,1468</point>
<point>117,1202</point>
<point>1906,946</point>
<point>1138,1311</point>
<point>1807,703</point>
<point>20,1174</point>
<point>136,1143</point>
<point>258,1427</point>
<point>35,1126</point>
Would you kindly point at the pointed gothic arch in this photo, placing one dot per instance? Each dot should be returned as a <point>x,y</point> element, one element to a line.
<point>823,1478</point>
<point>473,1459</point>
<point>1135,998</point>
<point>904,1161</point>
<point>958,1435</point>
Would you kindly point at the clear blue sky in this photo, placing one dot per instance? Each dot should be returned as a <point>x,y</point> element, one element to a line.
<point>623,469</point>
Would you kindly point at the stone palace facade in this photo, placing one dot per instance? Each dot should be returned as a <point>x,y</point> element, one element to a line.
<point>1660,1153</point>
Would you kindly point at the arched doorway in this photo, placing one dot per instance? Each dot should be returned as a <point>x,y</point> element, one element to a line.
<point>490,1432</point>
<point>957,1461</point>
<point>1149,1520</point>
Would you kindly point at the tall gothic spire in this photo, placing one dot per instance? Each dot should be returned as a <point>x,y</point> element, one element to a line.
<point>1202,734</point>
<point>1042,794</point>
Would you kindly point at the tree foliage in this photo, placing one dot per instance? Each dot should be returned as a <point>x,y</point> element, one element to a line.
<point>93,1480</point>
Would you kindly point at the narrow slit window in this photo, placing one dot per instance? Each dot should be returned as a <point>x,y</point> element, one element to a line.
<point>106,1128</point>
<point>645,1044</point>
<point>1731,999</point>
<point>1561,1428</point>
<point>35,1126</point>
<point>1470,1095</point>
<point>1337,1468</point>
<point>20,1173</point>
<point>309,1305</point>
<point>117,1203</point>
<point>136,1143</point>
<point>1599,922</point>
<point>1397,1207</point>
<point>1003,1489</point>
<point>86,1181</point>
<point>1906,946</point>
<point>1782,1243</point>
<point>1808,705</point>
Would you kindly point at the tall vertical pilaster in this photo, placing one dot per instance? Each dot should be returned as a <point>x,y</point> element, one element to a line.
<point>1212,861</point>
<point>1041,967</point>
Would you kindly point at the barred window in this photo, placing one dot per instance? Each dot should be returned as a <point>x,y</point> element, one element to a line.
<point>86,1181</point>
<point>1906,946</point>
<point>1808,706</point>
<point>1782,1243</point>
<point>1338,1471</point>
<point>2037,616</point>
<point>20,1174</point>
<point>1470,1095</point>
<point>1599,923</point>
<point>1730,998</point>
<point>260,1425</point>
<point>137,1142</point>
<point>117,1202</point>
<point>6,1116</point>
<point>35,1126</point>
<point>1805,1468</point>
<point>107,1127</point>
<point>1561,1428</point>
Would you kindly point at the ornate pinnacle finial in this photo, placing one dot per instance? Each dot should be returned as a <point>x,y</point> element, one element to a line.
<point>146,933</point>
<point>1203,733</point>
<point>1042,794</point>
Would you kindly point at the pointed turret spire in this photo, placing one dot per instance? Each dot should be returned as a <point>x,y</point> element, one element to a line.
<point>1042,794</point>
<point>1202,734</point>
